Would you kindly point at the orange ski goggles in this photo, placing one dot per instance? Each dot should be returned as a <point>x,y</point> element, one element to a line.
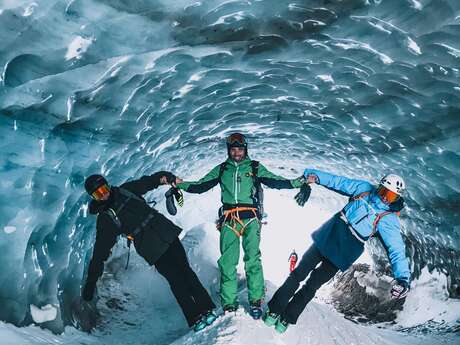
<point>387,195</point>
<point>236,139</point>
<point>99,193</point>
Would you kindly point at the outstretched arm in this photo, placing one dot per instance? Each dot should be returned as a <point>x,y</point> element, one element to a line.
<point>105,240</point>
<point>389,231</point>
<point>339,184</point>
<point>274,181</point>
<point>204,184</point>
<point>149,182</point>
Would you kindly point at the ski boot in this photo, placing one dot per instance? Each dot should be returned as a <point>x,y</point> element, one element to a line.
<point>281,325</point>
<point>255,309</point>
<point>209,317</point>
<point>270,319</point>
<point>199,325</point>
<point>230,308</point>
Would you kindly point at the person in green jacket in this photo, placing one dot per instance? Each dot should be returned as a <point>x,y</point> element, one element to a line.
<point>239,178</point>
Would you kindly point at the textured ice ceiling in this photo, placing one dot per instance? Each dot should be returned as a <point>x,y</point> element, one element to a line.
<point>127,88</point>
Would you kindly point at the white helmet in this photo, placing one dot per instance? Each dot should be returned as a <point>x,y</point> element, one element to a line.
<point>394,183</point>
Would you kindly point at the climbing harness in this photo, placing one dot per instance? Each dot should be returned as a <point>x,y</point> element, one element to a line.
<point>231,218</point>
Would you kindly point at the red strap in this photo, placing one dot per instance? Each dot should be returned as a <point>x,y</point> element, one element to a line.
<point>360,196</point>
<point>377,220</point>
<point>379,216</point>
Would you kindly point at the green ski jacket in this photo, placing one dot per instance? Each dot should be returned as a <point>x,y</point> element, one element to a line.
<point>237,183</point>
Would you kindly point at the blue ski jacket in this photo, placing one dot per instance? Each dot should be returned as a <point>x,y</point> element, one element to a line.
<point>360,215</point>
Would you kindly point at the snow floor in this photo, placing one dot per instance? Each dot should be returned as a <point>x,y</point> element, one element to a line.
<point>138,308</point>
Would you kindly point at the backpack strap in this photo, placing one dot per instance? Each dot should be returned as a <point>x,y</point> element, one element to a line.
<point>111,213</point>
<point>356,197</point>
<point>379,216</point>
<point>377,220</point>
<point>255,170</point>
<point>130,194</point>
<point>259,191</point>
<point>359,196</point>
<point>222,168</point>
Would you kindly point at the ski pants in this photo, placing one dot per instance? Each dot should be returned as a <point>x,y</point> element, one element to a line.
<point>230,235</point>
<point>288,303</point>
<point>192,297</point>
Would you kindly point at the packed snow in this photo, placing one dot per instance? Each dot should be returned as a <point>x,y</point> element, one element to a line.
<point>137,306</point>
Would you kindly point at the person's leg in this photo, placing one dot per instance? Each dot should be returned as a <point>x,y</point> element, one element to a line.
<point>167,266</point>
<point>252,261</point>
<point>202,299</point>
<point>281,298</point>
<point>317,278</point>
<point>230,254</point>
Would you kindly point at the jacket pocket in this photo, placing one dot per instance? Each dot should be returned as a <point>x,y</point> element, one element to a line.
<point>359,219</point>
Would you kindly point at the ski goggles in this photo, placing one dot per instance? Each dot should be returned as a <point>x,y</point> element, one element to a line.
<point>387,195</point>
<point>236,139</point>
<point>99,193</point>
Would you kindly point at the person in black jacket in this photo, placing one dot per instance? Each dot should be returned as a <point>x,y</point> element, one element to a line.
<point>123,211</point>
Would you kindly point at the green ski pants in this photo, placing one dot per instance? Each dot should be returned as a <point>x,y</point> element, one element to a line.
<point>230,254</point>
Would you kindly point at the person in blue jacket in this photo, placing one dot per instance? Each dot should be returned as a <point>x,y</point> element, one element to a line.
<point>371,211</point>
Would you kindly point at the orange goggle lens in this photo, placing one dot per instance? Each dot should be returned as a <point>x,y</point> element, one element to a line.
<point>99,193</point>
<point>387,195</point>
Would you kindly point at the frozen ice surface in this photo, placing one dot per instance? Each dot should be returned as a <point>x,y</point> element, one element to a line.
<point>359,88</point>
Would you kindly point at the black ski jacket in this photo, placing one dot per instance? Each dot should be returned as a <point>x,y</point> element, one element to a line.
<point>131,211</point>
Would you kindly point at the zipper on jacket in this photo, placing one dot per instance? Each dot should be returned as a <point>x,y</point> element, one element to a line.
<point>236,183</point>
<point>359,221</point>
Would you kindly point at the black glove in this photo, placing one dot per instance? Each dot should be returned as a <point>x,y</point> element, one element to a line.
<point>302,197</point>
<point>171,194</point>
<point>170,206</point>
<point>88,291</point>
<point>400,289</point>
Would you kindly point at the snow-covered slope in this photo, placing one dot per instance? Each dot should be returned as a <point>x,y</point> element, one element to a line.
<point>138,308</point>
<point>318,325</point>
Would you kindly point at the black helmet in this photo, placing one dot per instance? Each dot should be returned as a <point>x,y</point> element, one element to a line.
<point>93,182</point>
<point>236,140</point>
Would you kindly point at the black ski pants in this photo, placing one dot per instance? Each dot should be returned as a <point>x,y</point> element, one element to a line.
<point>192,297</point>
<point>286,301</point>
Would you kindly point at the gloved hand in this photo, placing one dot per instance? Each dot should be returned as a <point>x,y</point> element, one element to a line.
<point>88,291</point>
<point>302,197</point>
<point>400,289</point>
